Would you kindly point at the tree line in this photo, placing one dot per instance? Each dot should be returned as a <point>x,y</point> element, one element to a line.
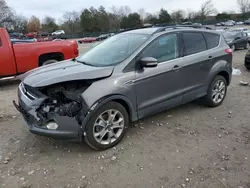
<point>102,20</point>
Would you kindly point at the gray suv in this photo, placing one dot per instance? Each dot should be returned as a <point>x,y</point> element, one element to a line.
<point>127,77</point>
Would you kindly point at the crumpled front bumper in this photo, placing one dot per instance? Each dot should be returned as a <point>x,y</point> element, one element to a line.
<point>68,128</point>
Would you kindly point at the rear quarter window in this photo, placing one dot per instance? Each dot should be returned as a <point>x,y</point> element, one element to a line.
<point>212,40</point>
<point>194,42</point>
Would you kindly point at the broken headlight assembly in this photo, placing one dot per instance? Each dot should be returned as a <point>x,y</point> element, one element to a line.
<point>63,99</point>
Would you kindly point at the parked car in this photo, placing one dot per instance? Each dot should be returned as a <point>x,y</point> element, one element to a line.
<point>16,35</point>
<point>239,29</point>
<point>125,78</point>
<point>247,22</point>
<point>218,24</point>
<point>222,23</point>
<point>59,32</point>
<point>102,37</point>
<point>229,23</point>
<point>239,23</point>
<point>247,32</point>
<point>236,39</point>
<point>87,40</point>
<point>198,25</point>
<point>31,34</point>
<point>187,23</point>
<point>25,55</point>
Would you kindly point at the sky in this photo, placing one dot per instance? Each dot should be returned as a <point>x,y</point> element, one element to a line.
<point>56,8</point>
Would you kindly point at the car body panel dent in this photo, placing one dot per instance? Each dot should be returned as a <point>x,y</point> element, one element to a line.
<point>62,72</point>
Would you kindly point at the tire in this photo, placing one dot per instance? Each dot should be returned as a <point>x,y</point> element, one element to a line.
<point>49,62</point>
<point>208,99</point>
<point>92,125</point>
<point>233,47</point>
<point>247,46</point>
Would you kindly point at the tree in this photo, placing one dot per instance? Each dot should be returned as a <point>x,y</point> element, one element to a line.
<point>103,19</point>
<point>49,24</point>
<point>207,9</point>
<point>6,14</point>
<point>34,24</point>
<point>142,14</point>
<point>86,20</point>
<point>164,17</point>
<point>71,22</point>
<point>191,15</point>
<point>19,24</point>
<point>151,19</point>
<point>243,5</point>
<point>131,21</point>
<point>178,16</point>
<point>223,16</point>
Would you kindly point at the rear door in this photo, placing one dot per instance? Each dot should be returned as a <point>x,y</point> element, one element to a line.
<point>196,65</point>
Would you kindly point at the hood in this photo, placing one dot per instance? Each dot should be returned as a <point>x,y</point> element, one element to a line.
<point>64,71</point>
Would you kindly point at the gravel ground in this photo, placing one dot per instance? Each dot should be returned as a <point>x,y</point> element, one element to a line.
<point>188,146</point>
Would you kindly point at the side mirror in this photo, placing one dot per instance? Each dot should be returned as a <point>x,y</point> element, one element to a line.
<point>148,62</point>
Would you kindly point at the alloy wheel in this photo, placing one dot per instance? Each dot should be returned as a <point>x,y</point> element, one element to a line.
<point>108,127</point>
<point>219,91</point>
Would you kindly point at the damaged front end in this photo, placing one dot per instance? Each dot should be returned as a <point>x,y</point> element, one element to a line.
<point>56,110</point>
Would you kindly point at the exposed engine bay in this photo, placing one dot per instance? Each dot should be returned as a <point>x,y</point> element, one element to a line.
<point>64,99</point>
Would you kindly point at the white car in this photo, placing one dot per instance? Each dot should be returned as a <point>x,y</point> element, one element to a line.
<point>229,23</point>
<point>58,32</point>
<point>239,23</point>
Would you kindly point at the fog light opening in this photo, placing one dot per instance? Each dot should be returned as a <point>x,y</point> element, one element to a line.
<point>52,126</point>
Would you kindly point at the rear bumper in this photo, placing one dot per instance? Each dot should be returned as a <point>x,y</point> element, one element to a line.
<point>68,128</point>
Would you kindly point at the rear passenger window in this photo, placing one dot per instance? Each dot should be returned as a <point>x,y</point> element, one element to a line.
<point>212,40</point>
<point>194,42</point>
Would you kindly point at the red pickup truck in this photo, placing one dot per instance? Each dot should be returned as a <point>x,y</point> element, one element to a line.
<point>21,57</point>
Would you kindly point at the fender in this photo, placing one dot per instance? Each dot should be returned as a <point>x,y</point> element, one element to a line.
<point>218,67</point>
<point>106,99</point>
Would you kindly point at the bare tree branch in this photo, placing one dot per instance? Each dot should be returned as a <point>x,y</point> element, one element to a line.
<point>243,5</point>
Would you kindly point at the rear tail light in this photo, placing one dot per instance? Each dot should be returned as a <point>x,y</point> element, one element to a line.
<point>229,51</point>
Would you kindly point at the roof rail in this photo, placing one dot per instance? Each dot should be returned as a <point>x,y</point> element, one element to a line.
<point>161,29</point>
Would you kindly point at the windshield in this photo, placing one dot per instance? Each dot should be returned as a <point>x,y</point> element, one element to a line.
<point>113,50</point>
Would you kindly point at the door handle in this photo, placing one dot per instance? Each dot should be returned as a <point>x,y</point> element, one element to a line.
<point>176,67</point>
<point>210,57</point>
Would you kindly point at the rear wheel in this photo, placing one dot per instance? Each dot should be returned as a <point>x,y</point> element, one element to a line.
<point>216,92</point>
<point>233,47</point>
<point>107,126</point>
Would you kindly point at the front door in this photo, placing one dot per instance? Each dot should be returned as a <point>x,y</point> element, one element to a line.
<point>159,88</point>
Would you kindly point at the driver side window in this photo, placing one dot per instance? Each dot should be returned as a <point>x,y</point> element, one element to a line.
<point>163,49</point>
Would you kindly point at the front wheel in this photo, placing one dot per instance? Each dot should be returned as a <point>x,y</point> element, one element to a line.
<point>107,126</point>
<point>216,92</point>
